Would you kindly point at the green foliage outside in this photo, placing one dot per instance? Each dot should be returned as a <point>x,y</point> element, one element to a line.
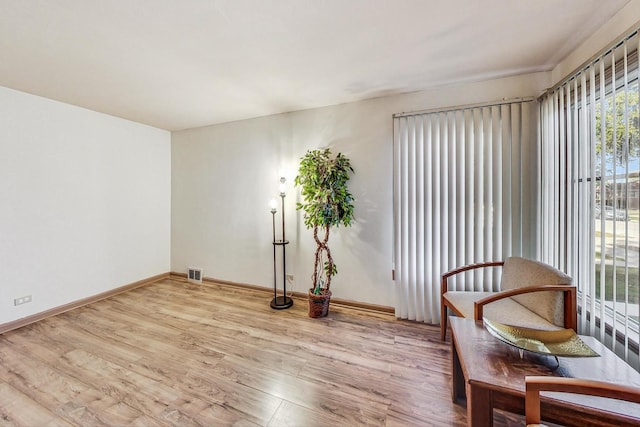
<point>624,101</point>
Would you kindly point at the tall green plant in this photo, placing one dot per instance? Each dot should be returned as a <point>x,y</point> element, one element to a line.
<point>326,202</point>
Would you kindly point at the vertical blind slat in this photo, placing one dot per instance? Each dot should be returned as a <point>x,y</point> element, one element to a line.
<point>625,151</point>
<point>428,166</point>
<point>411,274</point>
<point>591,122</point>
<point>603,188</point>
<point>419,221</point>
<point>444,191</point>
<point>469,184</point>
<point>488,191</point>
<point>516,173</point>
<point>496,238</point>
<point>453,184</point>
<point>461,207</point>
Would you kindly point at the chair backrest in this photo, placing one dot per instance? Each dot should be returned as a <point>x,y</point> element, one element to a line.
<point>521,272</point>
<point>535,384</point>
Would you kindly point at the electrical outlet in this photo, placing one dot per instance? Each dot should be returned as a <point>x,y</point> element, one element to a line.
<point>22,300</point>
<point>289,277</point>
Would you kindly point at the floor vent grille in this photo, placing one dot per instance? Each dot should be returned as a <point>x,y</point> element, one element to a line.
<point>195,275</point>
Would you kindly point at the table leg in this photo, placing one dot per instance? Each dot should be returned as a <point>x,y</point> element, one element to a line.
<point>479,407</point>
<point>458,391</point>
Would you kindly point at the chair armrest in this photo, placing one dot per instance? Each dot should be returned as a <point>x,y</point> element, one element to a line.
<point>535,384</point>
<point>570,301</point>
<point>445,277</point>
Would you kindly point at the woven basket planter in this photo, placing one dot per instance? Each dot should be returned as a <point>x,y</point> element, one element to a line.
<point>319,304</point>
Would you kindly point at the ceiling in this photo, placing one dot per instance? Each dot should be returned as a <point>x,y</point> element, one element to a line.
<point>177,64</point>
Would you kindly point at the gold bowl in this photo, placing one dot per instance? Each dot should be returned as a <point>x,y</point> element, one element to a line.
<point>559,343</point>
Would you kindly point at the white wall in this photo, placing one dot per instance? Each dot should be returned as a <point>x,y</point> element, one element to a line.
<point>84,203</point>
<point>224,176</point>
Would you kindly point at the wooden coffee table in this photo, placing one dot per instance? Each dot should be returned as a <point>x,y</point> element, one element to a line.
<point>490,375</point>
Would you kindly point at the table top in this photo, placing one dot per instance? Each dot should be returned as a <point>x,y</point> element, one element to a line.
<point>497,365</point>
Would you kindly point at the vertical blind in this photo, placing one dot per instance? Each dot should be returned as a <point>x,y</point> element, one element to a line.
<point>589,191</point>
<point>462,194</point>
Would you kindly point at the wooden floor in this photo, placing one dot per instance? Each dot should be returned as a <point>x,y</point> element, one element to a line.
<point>175,353</point>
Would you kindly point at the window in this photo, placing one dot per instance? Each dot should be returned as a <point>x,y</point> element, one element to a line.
<point>590,183</point>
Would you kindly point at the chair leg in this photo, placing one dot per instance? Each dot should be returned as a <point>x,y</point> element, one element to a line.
<point>443,322</point>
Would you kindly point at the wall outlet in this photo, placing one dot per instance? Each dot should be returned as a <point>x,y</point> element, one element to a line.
<point>22,300</point>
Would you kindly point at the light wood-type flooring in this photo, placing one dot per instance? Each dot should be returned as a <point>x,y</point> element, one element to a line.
<point>176,353</point>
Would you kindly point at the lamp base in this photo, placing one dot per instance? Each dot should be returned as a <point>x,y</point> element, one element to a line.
<point>280,303</point>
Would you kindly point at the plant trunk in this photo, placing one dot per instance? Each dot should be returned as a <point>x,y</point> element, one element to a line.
<point>318,269</point>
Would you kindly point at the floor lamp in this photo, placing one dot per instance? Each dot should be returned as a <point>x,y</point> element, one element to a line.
<point>280,302</point>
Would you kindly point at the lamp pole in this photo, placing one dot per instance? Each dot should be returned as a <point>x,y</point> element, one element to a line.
<point>273,222</point>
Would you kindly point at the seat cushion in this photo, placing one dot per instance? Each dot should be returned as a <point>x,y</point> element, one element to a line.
<point>506,311</point>
<point>521,272</point>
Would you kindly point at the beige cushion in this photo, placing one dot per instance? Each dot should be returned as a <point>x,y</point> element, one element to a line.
<point>521,272</point>
<point>506,311</point>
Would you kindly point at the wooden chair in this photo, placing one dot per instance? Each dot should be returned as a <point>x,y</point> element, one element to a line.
<point>532,294</point>
<point>535,384</point>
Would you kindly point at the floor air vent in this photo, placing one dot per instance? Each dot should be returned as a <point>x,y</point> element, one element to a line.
<point>195,275</point>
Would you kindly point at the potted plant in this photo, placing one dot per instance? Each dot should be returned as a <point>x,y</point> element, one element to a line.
<point>326,202</point>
